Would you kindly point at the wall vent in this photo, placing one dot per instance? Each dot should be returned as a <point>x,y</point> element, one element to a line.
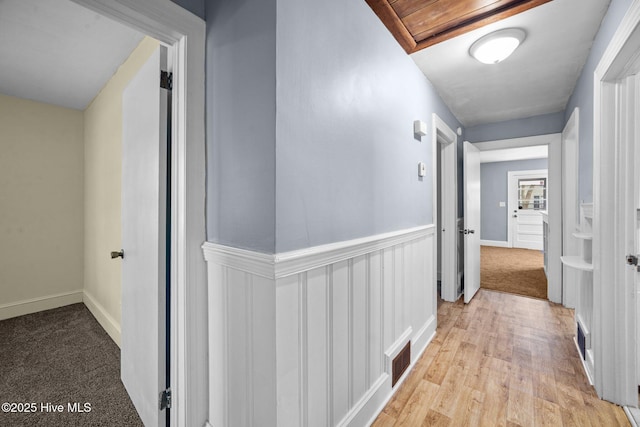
<point>400,363</point>
<point>581,342</point>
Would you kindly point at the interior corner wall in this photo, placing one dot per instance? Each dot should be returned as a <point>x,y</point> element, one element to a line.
<point>194,6</point>
<point>582,97</point>
<point>102,193</point>
<point>494,189</point>
<point>346,155</point>
<point>241,123</point>
<point>41,201</point>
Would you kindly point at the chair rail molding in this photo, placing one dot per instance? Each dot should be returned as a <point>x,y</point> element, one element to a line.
<point>304,336</point>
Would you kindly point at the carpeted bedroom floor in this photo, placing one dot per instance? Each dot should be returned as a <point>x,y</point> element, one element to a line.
<point>512,270</point>
<point>62,357</point>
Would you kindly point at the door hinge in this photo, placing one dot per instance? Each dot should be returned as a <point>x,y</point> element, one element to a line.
<point>166,80</point>
<point>165,399</point>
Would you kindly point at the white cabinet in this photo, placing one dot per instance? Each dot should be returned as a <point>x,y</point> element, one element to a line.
<point>584,287</point>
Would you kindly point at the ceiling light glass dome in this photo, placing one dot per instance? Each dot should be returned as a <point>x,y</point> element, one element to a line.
<point>497,46</point>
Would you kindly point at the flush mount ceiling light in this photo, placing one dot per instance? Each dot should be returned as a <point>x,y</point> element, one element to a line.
<point>497,46</point>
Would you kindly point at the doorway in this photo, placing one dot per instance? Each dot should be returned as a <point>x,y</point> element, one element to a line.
<point>178,28</point>
<point>616,216</point>
<point>446,166</point>
<point>552,144</point>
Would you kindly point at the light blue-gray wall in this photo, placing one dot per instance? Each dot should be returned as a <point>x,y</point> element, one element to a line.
<point>310,133</point>
<point>493,188</point>
<point>519,128</point>
<point>345,151</point>
<point>582,96</point>
<point>194,6</point>
<point>241,123</point>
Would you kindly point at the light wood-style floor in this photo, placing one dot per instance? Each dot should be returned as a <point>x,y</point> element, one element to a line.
<point>502,360</point>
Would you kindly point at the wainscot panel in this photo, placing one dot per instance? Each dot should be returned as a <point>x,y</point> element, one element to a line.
<point>306,338</point>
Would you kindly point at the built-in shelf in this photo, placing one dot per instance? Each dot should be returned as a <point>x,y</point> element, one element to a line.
<point>583,236</point>
<point>577,262</point>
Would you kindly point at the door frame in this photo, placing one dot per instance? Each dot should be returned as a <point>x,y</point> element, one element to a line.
<point>184,32</point>
<point>570,204</point>
<point>554,198</point>
<point>614,316</point>
<point>512,188</point>
<point>445,145</point>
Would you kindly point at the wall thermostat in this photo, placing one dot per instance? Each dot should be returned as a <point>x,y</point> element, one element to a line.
<point>422,169</point>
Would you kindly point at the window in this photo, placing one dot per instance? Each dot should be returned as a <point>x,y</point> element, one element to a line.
<point>532,194</point>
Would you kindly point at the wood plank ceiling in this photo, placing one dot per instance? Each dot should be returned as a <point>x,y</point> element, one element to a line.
<point>418,24</point>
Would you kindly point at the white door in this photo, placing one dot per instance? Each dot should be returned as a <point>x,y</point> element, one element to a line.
<point>629,182</point>
<point>471,160</point>
<point>527,197</point>
<point>144,239</point>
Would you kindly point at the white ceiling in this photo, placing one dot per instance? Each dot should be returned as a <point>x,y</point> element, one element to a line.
<point>57,52</point>
<point>537,79</point>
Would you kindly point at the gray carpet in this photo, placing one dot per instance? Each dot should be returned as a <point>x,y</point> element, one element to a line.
<point>62,356</point>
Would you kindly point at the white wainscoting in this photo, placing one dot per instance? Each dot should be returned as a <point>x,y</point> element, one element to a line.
<point>306,338</point>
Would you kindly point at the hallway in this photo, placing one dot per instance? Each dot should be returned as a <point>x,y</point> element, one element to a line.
<point>501,360</point>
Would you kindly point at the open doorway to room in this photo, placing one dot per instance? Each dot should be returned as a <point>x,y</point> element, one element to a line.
<point>530,169</point>
<point>66,159</point>
<point>445,158</point>
<point>513,202</point>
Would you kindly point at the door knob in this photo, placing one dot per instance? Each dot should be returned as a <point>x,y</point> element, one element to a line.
<point>117,254</point>
<point>472,231</point>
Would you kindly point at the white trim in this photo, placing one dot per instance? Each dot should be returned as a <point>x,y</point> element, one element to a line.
<point>445,145</point>
<point>290,263</point>
<point>584,362</point>
<point>527,141</point>
<point>554,272</point>
<point>252,262</point>
<point>294,262</point>
<point>613,313</point>
<point>570,207</point>
<point>395,348</point>
<point>633,414</point>
<point>33,305</point>
<point>108,323</point>
<point>512,154</point>
<point>185,32</point>
<point>495,243</point>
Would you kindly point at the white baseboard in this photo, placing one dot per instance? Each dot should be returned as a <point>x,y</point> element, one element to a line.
<point>108,323</point>
<point>633,414</point>
<point>496,243</point>
<point>34,305</point>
